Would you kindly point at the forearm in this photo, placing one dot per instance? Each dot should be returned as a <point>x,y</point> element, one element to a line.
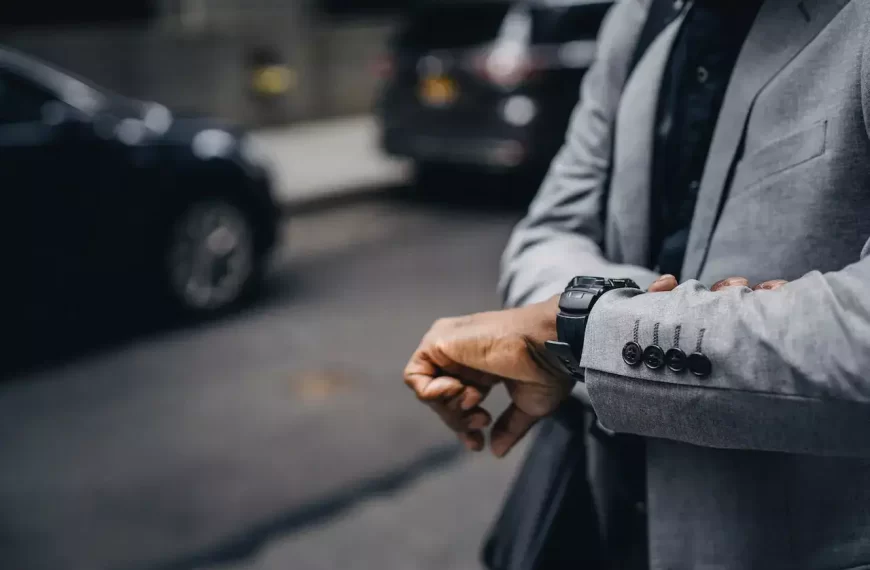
<point>789,366</point>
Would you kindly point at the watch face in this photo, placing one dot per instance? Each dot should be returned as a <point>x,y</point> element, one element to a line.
<point>587,283</point>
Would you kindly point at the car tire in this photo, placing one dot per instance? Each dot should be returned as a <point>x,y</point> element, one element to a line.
<point>210,263</point>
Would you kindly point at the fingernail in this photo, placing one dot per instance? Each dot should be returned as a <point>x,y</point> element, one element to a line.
<point>498,449</point>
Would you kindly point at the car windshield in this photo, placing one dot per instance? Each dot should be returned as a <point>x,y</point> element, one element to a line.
<point>439,25</point>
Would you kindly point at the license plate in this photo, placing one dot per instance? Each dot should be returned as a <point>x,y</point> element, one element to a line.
<point>438,91</point>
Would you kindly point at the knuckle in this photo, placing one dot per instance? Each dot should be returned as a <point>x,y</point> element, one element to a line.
<point>442,323</point>
<point>441,345</point>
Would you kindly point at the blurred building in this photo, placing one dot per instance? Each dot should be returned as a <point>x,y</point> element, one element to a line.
<point>258,62</point>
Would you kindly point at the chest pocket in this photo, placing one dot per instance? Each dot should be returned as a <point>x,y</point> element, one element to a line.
<point>783,154</point>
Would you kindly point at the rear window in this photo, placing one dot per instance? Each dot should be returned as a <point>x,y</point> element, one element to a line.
<point>439,25</point>
<point>567,23</point>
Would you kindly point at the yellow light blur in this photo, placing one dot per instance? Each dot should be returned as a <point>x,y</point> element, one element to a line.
<point>274,80</point>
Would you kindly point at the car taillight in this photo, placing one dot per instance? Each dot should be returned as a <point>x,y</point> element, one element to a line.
<point>384,67</point>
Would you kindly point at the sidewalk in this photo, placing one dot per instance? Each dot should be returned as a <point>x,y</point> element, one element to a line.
<point>328,159</point>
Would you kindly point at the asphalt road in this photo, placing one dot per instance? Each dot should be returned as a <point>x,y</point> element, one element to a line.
<point>280,437</point>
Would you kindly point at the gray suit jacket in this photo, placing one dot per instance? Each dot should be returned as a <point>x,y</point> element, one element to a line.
<point>765,463</point>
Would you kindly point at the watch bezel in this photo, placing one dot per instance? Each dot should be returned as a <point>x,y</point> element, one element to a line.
<point>582,293</point>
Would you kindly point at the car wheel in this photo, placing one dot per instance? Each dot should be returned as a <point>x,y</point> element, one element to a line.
<point>210,257</point>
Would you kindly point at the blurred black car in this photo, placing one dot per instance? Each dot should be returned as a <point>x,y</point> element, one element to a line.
<point>114,202</point>
<point>486,84</point>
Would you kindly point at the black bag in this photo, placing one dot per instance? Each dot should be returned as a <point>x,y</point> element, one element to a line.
<point>549,519</point>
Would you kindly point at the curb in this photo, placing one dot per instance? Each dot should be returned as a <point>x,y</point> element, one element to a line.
<point>351,196</point>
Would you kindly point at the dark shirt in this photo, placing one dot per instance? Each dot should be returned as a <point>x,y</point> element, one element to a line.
<point>693,87</point>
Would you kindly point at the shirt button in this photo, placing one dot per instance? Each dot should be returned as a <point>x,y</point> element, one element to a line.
<point>703,74</point>
<point>694,185</point>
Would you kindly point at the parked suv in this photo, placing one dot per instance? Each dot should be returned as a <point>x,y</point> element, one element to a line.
<point>486,84</point>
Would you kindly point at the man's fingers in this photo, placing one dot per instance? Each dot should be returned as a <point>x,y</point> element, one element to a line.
<point>730,282</point>
<point>472,440</point>
<point>663,283</point>
<point>770,285</point>
<point>419,372</point>
<point>459,420</point>
<point>510,427</point>
<point>472,396</point>
<point>431,389</point>
<point>476,419</point>
<point>669,282</point>
<point>743,282</point>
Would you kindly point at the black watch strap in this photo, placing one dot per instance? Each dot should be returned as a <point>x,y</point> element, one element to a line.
<point>574,308</point>
<point>569,327</point>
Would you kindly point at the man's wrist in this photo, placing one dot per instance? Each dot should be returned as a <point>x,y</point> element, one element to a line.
<point>544,314</point>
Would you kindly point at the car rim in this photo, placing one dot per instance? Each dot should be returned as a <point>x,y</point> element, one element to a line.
<point>211,255</point>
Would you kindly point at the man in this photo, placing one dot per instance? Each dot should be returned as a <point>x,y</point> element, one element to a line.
<point>758,441</point>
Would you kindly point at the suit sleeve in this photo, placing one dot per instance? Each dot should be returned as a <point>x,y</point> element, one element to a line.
<point>561,235</point>
<point>791,367</point>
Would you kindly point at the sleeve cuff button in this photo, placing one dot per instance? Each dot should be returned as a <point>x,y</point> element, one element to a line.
<point>632,353</point>
<point>700,365</point>
<point>654,357</point>
<point>675,359</point>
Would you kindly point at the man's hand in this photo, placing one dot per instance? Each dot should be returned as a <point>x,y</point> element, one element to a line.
<point>669,283</point>
<point>461,359</point>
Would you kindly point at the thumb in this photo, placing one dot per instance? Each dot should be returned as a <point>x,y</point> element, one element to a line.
<point>510,427</point>
<point>663,283</point>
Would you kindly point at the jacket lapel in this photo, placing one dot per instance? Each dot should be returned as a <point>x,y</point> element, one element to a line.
<point>781,30</point>
<point>629,200</point>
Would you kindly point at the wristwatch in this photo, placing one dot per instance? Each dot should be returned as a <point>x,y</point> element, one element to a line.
<point>576,302</point>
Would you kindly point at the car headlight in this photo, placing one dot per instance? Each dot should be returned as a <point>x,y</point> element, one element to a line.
<point>253,152</point>
<point>519,110</point>
<point>212,143</point>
